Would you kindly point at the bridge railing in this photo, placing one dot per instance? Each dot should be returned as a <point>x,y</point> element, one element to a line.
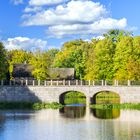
<point>68,83</point>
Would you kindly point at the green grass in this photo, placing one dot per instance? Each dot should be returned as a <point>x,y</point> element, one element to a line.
<point>27,105</point>
<point>117,106</point>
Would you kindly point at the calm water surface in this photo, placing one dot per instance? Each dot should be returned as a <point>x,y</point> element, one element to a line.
<point>70,123</point>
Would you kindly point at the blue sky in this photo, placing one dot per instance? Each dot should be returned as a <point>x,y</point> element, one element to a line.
<point>45,24</point>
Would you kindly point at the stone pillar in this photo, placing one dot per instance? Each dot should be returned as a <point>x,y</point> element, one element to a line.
<point>33,82</point>
<point>45,83</point>
<point>57,83</point>
<point>87,108</point>
<point>89,83</point>
<point>93,83</point>
<point>81,82</point>
<point>102,82</point>
<point>76,82</point>
<point>69,82</point>
<point>105,83</point>
<point>64,83</point>
<point>51,82</point>
<point>26,82</point>
<point>87,101</point>
<point>38,82</point>
<point>129,83</point>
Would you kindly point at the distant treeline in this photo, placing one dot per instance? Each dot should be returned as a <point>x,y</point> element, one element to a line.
<point>117,56</point>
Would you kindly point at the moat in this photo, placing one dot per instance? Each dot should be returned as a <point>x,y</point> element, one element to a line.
<point>70,123</point>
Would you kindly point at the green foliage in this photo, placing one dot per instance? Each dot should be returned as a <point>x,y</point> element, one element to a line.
<point>107,98</point>
<point>29,105</point>
<point>117,106</point>
<point>73,55</point>
<point>40,62</point>
<point>123,54</point>
<point>103,61</point>
<point>117,56</point>
<point>17,57</point>
<point>3,62</point>
<point>74,97</point>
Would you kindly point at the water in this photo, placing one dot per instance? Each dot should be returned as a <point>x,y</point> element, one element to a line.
<point>70,123</point>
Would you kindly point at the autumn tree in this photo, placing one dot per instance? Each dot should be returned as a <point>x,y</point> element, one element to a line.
<point>3,62</point>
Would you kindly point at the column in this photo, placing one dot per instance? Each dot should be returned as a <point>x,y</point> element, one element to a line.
<point>45,83</point>
<point>105,83</point>
<point>26,82</point>
<point>57,82</point>
<point>89,82</point>
<point>51,82</point>
<point>33,82</point>
<point>69,82</point>
<point>76,82</point>
<point>129,83</point>
<point>64,83</point>
<point>38,82</point>
<point>81,82</point>
<point>87,107</point>
<point>102,82</point>
<point>93,83</point>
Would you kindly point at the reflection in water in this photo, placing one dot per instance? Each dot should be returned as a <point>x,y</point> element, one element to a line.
<point>51,125</point>
<point>106,113</point>
<point>73,111</point>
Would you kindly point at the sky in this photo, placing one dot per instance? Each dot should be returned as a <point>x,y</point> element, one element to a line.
<point>46,24</point>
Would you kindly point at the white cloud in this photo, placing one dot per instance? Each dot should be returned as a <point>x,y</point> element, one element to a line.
<point>74,12</point>
<point>17,2</point>
<point>80,17</point>
<point>32,9</point>
<point>44,2</point>
<point>98,27</point>
<point>25,43</point>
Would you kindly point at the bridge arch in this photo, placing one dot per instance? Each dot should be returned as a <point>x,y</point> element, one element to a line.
<point>106,93</point>
<point>62,95</point>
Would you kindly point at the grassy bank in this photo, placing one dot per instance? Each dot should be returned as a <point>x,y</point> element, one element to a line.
<point>27,105</point>
<point>74,97</point>
<point>117,106</point>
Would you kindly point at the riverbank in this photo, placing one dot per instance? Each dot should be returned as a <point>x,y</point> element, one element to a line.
<point>27,105</point>
<point>117,106</point>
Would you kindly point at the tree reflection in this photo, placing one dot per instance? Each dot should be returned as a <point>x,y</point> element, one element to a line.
<point>73,111</point>
<point>106,113</point>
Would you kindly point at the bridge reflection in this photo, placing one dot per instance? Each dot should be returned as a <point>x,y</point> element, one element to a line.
<point>73,111</point>
<point>81,112</point>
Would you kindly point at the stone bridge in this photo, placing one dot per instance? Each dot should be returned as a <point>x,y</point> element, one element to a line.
<point>53,93</point>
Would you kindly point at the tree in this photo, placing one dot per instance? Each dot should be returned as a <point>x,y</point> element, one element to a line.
<point>3,62</point>
<point>133,66</point>
<point>73,55</point>
<point>123,54</point>
<point>116,35</point>
<point>102,67</point>
<point>40,65</point>
<point>17,57</point>
<point>51,54</point>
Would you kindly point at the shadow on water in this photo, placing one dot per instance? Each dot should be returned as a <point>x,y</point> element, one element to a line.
<point>73,111</point>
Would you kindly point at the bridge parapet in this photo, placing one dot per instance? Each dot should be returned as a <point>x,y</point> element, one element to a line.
<point>69,83</point>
